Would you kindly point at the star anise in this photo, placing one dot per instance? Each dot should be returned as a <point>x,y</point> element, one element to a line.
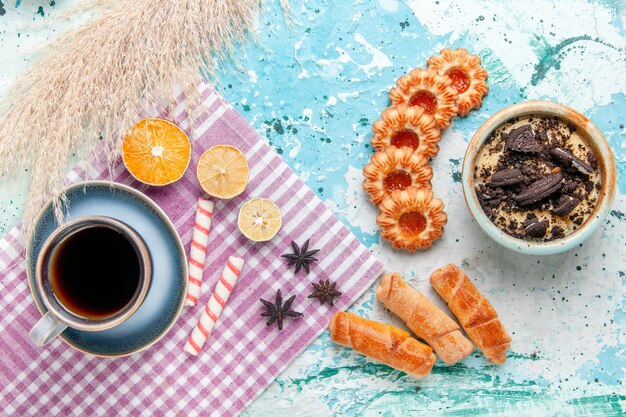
<point>301,257</point>
<point>278,311</point>
<point>325,292</point>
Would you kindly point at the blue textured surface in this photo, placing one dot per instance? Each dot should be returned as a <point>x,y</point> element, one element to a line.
<point>314,89</point>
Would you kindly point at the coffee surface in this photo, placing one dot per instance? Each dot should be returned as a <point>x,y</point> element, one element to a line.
<point>95,272</point>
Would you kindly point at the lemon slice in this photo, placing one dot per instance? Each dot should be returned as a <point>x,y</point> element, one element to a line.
<point>259,219</point>
<point>156,152</point>
<point>223,171</point>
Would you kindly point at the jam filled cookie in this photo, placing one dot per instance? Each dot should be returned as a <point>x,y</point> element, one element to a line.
<point>429,90</point>
<point>403,125</point>
<point>411,219</point>
<point>395,169</point>
<point>467,76</point>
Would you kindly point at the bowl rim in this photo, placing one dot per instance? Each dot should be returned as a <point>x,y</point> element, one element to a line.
<point>593,137</point>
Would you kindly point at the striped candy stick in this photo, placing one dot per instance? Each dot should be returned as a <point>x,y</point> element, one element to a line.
<point>216,303</point>
<point>197,251</point>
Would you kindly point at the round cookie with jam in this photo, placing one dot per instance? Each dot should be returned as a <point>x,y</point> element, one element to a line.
<point>411,219</point>
<point>429,90</point>
<point>395,169</point>
<point>466,75</point>
<point>406,126</point>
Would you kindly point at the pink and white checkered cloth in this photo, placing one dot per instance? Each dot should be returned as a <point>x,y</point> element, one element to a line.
<point>242,356</point>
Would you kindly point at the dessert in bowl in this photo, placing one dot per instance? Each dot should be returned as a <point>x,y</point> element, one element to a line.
<point>539,177</point>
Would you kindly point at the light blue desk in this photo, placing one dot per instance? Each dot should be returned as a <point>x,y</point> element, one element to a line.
<point>314,89</point>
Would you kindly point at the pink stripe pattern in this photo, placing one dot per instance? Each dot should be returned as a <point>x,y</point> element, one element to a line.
<point>197,249</point>
<point>242,356</point>
<point>211,313</point>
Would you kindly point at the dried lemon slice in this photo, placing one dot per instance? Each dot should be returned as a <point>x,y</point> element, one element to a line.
<point>156,152</point>
<point>223,171</point>
<point>259,219</point>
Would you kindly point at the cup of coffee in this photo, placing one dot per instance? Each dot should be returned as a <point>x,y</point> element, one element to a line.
<point>92,274</point>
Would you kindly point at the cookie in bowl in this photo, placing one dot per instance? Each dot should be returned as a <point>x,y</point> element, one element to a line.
<point>538,177</point>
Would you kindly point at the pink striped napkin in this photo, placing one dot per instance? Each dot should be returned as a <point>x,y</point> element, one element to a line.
<point>242,356</point>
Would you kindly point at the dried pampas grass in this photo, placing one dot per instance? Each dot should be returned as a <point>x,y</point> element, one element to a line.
<point>92,83</point>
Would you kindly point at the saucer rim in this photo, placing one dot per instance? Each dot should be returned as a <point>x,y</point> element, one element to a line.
<point>162,214</point>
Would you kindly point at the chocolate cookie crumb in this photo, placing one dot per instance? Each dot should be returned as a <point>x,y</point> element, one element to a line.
<point>540,189</point>
<point>523,140</point>
<point>506,177</point>
<point>568,159</point>
<point>537,228</point>
<point>557,232</point>
<point>565,205</point>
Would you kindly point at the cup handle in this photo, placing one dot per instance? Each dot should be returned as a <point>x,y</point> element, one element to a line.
<point>46,329</point>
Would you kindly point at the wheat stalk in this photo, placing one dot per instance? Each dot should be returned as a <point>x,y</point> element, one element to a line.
<point>92,82</point>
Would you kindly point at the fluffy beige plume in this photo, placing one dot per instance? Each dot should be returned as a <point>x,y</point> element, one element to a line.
<point>91,83</point>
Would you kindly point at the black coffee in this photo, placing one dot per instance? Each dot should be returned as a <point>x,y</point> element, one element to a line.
<point>95,272</point>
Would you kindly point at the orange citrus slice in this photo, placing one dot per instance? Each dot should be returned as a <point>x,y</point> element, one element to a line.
<point>259,219</point>
<point>223,171</point>
<point>156,152</point>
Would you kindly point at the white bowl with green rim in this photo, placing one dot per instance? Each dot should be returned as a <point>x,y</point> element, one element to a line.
<point>592,137</point>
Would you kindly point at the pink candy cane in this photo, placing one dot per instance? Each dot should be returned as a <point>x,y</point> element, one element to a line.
<point>197,252</point>
<point>216,303</point>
